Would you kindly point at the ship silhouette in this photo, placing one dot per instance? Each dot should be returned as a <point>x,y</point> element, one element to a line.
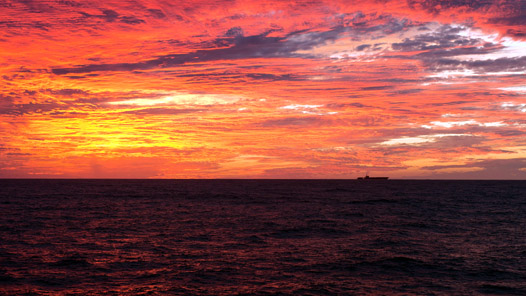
<point>371,178</point>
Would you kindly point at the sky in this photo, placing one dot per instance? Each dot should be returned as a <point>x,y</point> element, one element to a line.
<point>263,89</point>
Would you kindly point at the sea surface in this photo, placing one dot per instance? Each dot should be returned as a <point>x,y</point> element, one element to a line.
<point>262,237</point>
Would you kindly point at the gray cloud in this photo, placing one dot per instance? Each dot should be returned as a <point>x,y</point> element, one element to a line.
<point>157,13</point>
<point>363,47</point>
<point>20,109</point>
<point>273,77</point>
<point>244,47</point>
<point>344,105</point>
<point>292,121</point>
<point>437,50</point>
<point>131,20</point>
<point>439,6</point>
<point>234,32</point>
<point>381,87</point>
<point>513,169</point>
<point>66,92</point>
<point>407,91</point>
<point>450,103</point>
<point>481,66</point>
<point>446,37</point>
<point>110,16</point>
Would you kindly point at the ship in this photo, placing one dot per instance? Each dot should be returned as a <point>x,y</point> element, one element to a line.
<point>371,178</point>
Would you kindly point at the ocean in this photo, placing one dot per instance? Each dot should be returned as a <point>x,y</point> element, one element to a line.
<point>262,237</point>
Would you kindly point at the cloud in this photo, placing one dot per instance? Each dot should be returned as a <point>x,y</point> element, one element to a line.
<point>109,15</point>
<point>446,36</point>
<point>179,98</point>
<point>255,46</point>
<point>441,139</point>
<point>517,65</point>
<point>513,106</point>
<point>459,50</point>
<point>156,13</point>
<point>30,108</point>
<point>292,121</point>
<point>363,47</point>
<point>273,77</point>
<point>67,92</point>
<point>234,32</point>
<point>345,105</point>
<point>293,44</point>
<point>301,83</point>
<point>382,87</point>
<point>512,169</point>
<point>161,111</point>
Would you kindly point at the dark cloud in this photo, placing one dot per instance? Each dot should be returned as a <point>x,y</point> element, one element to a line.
<point>70,3</point>
<point>67,114</point>
<point>110,16</point>
<point>383,87</point>
<point>450,103</point>
<point>438,6</point>
<point>245,47</point>
<point>384,24</point>
<point>228,75</point>
<point>157,13</point>
<point>438,49</point>
<point>513,169</point>
<point>481,66</point>
<point>500,13</point>
<point>363,47</point>
<point>18,154</point>
<point>36,6</point>
<point>399,80</point>
<point>76,77</point>
<point>6,104</point>
<point>292,122</point>
<point>431,56</point>
<point>518,20</point>
<point>273,77</point>
<point>222,75</point>
<point>458,141</point>
<point>41,102</point>
<point>36,24</point>
<point>407,91</point>
<point>345,105</point>
<point>234,32</point>
<point>206,44</point>
<point>131,20</point>
<point>66,92</point>
<point>517,32</point>
<point>511,133</point>
<point>442,42</point>
<point>514,15</point>
<point>21,109</point>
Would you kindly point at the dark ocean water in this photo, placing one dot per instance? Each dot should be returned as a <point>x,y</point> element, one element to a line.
<point>262,237</point>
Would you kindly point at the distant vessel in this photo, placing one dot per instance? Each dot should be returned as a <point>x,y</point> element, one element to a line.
<point>372,178</point>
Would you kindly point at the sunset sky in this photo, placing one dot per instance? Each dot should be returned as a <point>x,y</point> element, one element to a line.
<point>263,89</point>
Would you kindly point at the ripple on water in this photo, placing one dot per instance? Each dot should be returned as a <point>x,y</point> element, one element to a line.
<point>228,237</point>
